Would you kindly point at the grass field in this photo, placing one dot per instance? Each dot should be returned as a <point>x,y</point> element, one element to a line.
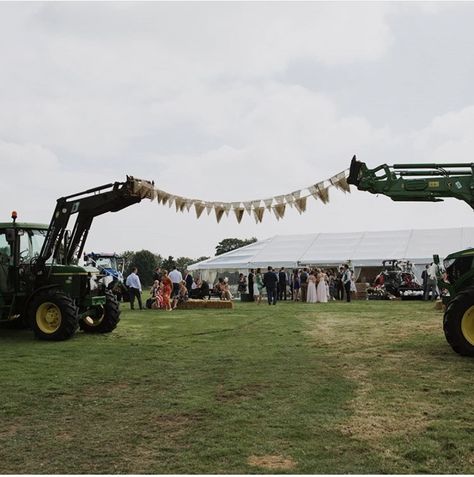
<point>366,387</point>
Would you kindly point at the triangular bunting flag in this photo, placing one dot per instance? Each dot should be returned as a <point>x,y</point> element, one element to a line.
<point>188,203</point>
<point>280,199</point>
<point>159,196</point>
<point>239,213</point>
<point>323,194</point>
<point>343,185</point>
<point>199,207</point>
<point>300,204</point>
<point>296,194</point>
<point>171,200</point>
<point>227,206</point>
<point>258,212</point>
<point>179,203</point>
<point>268,203</point>
<point>279,210</point>
<point>165,198</point>
<point>209,207</point>
<point>339,181</point>
<point>219,210</point>
<point>248,207</point>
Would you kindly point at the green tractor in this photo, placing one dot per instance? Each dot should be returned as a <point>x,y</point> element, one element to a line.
<point>433,182</point>
<point>41,284</point>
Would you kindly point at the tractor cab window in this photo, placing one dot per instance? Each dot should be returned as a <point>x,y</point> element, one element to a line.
<point>105,262</point>
<point>31,241</point>
<point>5,254</point>
<point>4,245</point>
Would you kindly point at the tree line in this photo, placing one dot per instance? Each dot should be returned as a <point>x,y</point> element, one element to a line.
<point>147,261</point>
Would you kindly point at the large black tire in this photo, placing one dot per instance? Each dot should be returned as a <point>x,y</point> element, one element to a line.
<point>458,323</point>
<point>103,319</point>
<point>53,316</point>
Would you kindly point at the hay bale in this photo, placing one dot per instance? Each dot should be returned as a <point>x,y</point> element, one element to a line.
<point>205,304</point>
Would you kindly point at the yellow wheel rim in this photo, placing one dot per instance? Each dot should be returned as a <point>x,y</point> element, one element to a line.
<point>467,325</point>
<point>48,317</point>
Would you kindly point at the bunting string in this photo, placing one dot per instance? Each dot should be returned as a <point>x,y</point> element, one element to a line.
<point>257,207</point>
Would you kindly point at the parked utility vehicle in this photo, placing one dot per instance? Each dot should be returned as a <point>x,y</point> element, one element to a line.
<point>434,182</point>
<point>41,284</point>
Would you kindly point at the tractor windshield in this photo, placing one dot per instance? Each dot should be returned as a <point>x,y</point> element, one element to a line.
<point>107,262</point>
<point>31,241</point>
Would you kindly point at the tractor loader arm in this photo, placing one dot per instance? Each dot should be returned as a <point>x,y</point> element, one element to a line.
<point>88,204</point>
<point>416,182</point>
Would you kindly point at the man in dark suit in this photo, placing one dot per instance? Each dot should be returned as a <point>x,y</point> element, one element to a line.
<point>188,278</point>
<point>270,280</point>
<point>250,280</point>
<point>282,282</point>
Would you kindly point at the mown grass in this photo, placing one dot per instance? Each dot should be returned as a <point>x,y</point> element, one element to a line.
<point>366,387</point>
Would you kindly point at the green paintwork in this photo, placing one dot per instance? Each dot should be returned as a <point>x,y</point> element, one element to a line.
<point>423,182</point>
<point>416,182</point>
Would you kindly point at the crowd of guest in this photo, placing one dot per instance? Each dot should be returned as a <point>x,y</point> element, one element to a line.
<point>169,289</point>
<point>310,285</point>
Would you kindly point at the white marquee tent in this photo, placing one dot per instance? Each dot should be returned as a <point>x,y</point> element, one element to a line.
<point>362,249</point>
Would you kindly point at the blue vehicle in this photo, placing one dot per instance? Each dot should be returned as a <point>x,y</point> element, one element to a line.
<point>111,267</point>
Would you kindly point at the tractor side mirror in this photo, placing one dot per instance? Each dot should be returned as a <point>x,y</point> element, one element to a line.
<point>10,235</point>
<point>436,259</point>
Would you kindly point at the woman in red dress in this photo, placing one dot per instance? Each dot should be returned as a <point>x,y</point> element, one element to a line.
<point>167,288</point>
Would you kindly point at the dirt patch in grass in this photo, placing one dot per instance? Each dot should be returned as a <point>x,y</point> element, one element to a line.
<point>381,407</point>
<point>175,424</point>
<point>64,436</point>
<point>9,431</point>
<point>243,393</point>
<point>272,462</point>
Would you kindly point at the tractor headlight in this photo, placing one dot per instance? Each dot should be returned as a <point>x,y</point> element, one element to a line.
<point>447,263</point>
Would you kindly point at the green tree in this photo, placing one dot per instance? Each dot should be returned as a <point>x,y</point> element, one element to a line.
<point>229,244</point>
<point>183,262</point>
<point>168,263</point>
<point>146,262</point>
<point>128,258</point>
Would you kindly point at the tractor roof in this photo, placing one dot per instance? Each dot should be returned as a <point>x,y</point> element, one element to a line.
<point>23,225</point>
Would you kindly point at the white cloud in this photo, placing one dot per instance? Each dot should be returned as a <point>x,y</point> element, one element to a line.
<point>192,95</point>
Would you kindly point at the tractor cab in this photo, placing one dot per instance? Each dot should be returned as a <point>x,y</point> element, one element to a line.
<point>20,245</point>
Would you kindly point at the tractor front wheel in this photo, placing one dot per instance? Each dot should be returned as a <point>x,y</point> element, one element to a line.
<point>102,319</point>
<point>53,316</point>
<point>458,323</point>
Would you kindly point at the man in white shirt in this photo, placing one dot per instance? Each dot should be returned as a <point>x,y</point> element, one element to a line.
<point>134,289</point>
<point>175,277</point>
<point>432,285</point>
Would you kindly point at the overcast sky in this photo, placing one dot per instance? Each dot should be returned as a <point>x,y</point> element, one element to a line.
<point>226,101</point>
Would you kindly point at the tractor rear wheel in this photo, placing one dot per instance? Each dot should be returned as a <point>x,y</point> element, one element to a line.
<point>102,319</point>
<point>458,323</point>
<point>53,316</point>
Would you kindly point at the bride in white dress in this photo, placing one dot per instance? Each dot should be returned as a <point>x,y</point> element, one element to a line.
<point>321,291</point>
<point>311,296</point>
